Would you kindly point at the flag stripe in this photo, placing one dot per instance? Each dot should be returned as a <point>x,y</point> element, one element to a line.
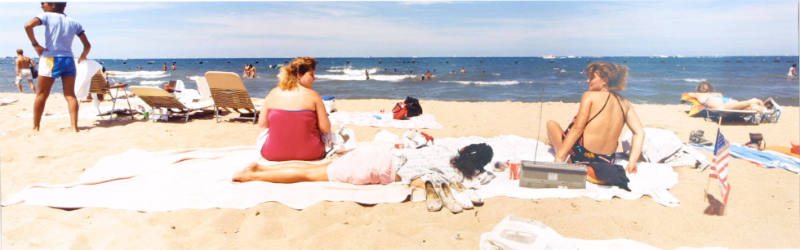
<point>719,168</point>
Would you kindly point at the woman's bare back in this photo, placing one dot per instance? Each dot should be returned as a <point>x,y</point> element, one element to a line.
<point>602,133</point>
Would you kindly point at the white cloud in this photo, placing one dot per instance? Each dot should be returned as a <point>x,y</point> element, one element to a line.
<point>95,8</point>
<point>354,29</point>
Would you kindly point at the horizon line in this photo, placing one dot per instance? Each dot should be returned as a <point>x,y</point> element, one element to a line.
<point>367,57</point>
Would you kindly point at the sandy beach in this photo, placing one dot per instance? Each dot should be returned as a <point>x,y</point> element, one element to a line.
<point>763,210</point>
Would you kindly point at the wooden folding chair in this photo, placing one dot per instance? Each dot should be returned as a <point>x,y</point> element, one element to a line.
<point>229,92</point>
<point>100,86</point>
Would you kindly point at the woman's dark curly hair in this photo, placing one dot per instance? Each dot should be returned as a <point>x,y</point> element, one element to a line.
<point>471,159</point>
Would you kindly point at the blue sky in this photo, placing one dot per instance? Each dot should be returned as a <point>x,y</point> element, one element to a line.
<point>389,29</point>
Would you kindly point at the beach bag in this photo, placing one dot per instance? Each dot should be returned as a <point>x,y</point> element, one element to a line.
<point>413,107</point>
<point>756,141</point>
<point>400,111</point>
<point>34,72</point>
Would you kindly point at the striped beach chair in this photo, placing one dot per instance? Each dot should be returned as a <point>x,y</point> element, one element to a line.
<point>229,93</point>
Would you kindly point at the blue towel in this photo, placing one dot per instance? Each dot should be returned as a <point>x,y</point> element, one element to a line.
<point>764,158</point>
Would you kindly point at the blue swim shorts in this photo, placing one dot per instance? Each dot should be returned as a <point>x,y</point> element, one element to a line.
<point>54,67</point>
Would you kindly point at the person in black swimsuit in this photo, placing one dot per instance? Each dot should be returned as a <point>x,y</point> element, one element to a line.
<point>594,138</point>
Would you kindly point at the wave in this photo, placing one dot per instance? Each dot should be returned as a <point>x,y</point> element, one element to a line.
<point>152,82</point>
<point>694,80</point>
<point>512,82</point>
<point>362,77</point>
<point>139,74</point>
<point>352,71</point>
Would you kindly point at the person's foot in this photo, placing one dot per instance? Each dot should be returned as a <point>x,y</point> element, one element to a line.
<point>241,177</point>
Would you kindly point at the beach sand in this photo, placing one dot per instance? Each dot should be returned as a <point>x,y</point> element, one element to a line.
<point>763,209</point>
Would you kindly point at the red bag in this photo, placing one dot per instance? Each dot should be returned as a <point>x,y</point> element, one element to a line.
<point>400,111</point>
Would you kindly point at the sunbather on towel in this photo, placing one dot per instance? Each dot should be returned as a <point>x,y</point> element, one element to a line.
<point>295,116</point>
<point>593,134</point>
<point>377,165</point>
<point>705,95</point>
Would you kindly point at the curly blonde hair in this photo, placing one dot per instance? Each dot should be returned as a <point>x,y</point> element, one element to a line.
<point>615,75</point>
<point>289,73</point>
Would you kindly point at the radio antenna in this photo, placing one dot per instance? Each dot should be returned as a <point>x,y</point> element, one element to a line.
<point>539,129</point>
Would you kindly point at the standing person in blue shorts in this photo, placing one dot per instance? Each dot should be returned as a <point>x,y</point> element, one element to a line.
<point>56,59</point>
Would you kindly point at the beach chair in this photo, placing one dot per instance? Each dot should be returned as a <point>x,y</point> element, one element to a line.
<point>99,85</point>
<point>229,92</point>
<point>700,110</point>
<point>159,99</point>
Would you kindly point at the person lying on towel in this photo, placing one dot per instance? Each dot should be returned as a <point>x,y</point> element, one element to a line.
<point>591,137</point>
<point>434,168</point>
<point>376,164</point>
<point>295,116</point>
<point>706,96</point>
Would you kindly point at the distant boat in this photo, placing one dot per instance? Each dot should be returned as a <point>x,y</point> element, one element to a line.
<point>570,56</point>
<point>551,56</point>
<point>150,62</point>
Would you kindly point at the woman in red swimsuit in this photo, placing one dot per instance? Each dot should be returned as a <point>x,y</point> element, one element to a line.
<point>594,132</point>
<point>295,116</point>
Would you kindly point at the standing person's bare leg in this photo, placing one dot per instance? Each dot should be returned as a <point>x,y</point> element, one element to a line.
<point>33,89</point>
<point>72,102</point>
<point>45,83</point>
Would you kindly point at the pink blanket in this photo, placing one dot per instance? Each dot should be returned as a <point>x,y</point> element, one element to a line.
<point>191,178</point>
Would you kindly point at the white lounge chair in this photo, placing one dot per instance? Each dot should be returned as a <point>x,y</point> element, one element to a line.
<point>160,99</point>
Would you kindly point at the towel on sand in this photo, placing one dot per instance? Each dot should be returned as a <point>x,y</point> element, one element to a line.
<point>515,232</point>
<point>4,101</point>
<point>201,178</point>
<point>652,179</point>
<point>191,178</point>
<point>766,158</point>
<point>376,119</point>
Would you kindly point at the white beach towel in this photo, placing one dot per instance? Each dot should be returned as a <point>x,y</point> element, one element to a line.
<point>4,101</point>
<point>515,232</point>
<point>84,71</point>
<point>658,144</point>
<point>194,179</point>
<point>652,179</point>
<point>376,119</point>
<point>201,178</point>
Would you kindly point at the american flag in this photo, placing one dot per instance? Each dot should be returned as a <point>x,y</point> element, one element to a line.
<point>719,169</point>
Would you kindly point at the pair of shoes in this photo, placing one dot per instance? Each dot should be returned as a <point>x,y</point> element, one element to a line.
<point>696,137</point>
<point>438,195</point>
<point>432,200</point>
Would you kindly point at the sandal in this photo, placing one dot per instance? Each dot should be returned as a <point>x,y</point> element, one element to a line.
<point>696,137</point>
<point>432,199</point>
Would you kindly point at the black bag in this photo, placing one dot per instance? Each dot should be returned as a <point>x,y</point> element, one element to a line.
<point>612,174</point>
<point>34,72</point>
<point>412,104</point>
